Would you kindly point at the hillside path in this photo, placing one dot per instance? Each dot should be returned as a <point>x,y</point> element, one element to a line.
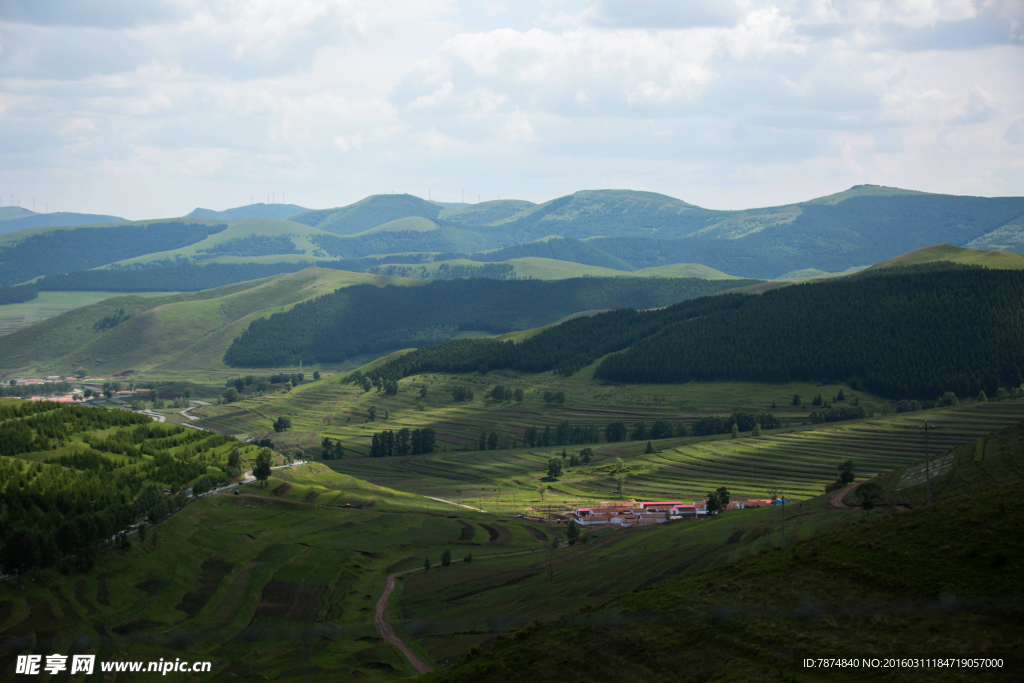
<point>836,502</point>
<point>458,505</point>
<point>383,624</point>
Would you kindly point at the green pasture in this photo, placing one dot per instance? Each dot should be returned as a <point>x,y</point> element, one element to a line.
<point>283,583</point>
<point>177,336</point>
<point>799,458</point>
<point>448,610</point>
<point>14,317</point>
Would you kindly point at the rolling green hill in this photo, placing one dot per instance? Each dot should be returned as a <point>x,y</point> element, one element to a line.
<point>484,213</point>
<point>361,320</point>
<point>258,210</point>
<point>14,218</point>
<point>760,617</point>
<point>990,258</point>
<point>619,229</point>
<point>368,213</point>
<point>172,334</point>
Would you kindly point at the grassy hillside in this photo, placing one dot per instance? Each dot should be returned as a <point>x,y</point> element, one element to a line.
<point>258,210</point>
<point>281,579</point>
<point>990,258</point>
<point>48,304</point>
<point>23,219</point>
<point>368,213</point>
<point>758,618</point>
<point>179,333</point>
<point>247,239</point>
<point>485,213</point>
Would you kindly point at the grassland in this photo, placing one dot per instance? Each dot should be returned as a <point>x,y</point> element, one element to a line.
<point>171,336</point>
<point>281,579</point>
<point>14,317</point>
<point>915,584</point>
<point>800,458</point>
<point>990,258</point>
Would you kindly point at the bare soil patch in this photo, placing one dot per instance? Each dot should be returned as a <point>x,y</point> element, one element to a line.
<point>211,573</point>
<point>468,532</point>
<point>292,601</point>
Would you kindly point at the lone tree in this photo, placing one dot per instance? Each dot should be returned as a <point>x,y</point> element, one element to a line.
<point>542,490</point>
<point>261,470</point>
<point>446,557</point>
<point>555,468</point>
<point>572,534</point>
<point>282,423</point>
<point>757,429</point>
<point>620,482</point>
<point>649,449</point>
<point>468,558</point>
<point>735,431</point>
<point>426,564</point>
<point>867,494</point>
<point>718,500</point>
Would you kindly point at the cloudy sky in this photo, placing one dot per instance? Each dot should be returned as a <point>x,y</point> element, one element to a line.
<point>147,109</point>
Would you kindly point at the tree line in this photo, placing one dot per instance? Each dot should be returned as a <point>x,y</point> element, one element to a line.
<point>900,332</point>
<point>403,442</point>
<point>81,501</point>
<point>76,249</point>
<point>363,318</point>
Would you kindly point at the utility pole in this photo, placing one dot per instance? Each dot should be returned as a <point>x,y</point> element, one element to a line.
<point>783,519</point>
<point>927,468</point>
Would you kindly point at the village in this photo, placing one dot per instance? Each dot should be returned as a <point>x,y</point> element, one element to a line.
<point>641,513</point>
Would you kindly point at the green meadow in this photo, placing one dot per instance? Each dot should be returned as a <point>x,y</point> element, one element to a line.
<point>14,317</point>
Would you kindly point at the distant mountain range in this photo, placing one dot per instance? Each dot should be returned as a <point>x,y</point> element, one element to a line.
<point>14,218</point>
<point>622,230</point>
<point>251,211</point>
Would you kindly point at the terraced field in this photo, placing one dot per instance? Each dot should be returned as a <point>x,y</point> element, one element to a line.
<point>798,459</point>
<point>261,580</point>
<point>447,611</point>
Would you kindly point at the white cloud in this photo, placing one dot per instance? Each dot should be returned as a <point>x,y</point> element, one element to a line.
<point>148,109</point>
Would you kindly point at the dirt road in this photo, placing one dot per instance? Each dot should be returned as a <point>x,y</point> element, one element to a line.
<point>383,625</point>
<point>835,501</point>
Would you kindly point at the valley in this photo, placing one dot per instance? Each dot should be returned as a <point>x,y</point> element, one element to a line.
<point>451,383</point>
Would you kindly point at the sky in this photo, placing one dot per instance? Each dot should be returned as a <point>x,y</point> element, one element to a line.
<point>150,109</point>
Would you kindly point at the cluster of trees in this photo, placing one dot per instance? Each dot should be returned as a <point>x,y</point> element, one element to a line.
<point>253,245</point>
<point>640,431</point>
<point>111,321</point>
<point>393,317</point>
<point>461,393</point>
<point>834,413</point>
<point>331,450</point>
<point>447,271</point>
<point>237,387</point>
<point>403,442</point>
<point>564,434</point>
<point>743,422</point>
<point>718,500</point>
<point>584,457</point>
<point>66,250</point>
<point>501,393</point>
